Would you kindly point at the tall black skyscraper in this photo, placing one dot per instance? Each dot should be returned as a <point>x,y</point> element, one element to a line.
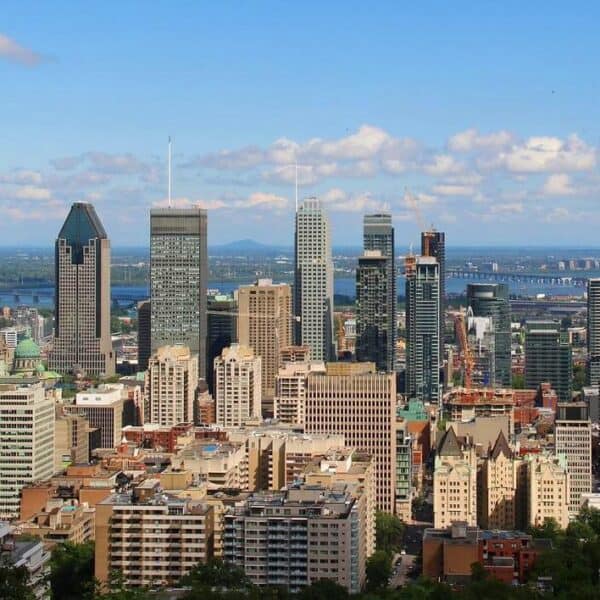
<point>178,277</point>
<point>376,294</point>
<point>433,243</point>
<point>82,313</point>
<point>143,311</point>
<point>491,300</point>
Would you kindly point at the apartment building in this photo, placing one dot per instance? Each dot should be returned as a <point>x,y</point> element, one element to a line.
<point>548,489</point>
<point>454,481</point>
<point>299,536</point>
<point>151,538</point>
<point>171,383</point>
<point>238,386</point>
<point>290,390</point>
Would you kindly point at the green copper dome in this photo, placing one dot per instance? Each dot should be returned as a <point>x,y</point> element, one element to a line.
<point>27,348</point>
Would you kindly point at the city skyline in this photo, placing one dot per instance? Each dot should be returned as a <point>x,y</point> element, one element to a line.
<point>513,143</point>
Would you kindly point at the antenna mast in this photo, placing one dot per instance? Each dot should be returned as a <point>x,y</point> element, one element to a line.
<point>169,174</point>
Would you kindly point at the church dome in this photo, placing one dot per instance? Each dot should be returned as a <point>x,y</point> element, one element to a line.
<point>27,348</point>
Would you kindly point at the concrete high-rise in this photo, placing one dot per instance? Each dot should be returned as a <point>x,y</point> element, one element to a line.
<point>27,450</point>
<point>82,339</point>
<point>423,328</point>
<point>433,243</point>
<point>221,331</point>
<point>573,439</point>
<point>491,300</point>
<point>171,383</point>
<point>593,332</point>
<point>102,407</point>
<point>178,277</point>
<point>313,284</point>
<point>238,386</point>
<point>362,407</point>
<point>548,358</point>
<point>265,325</point>
<point>380,305</point>
<point>374,338</point>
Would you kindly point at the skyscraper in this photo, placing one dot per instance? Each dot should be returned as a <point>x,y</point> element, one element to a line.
<point>422,328</point>
<point>548,358</point>
<point>491,300</point>
<point>314,280</point>
<point>265,325</point>
<point>178,277</point>
<point>433,243</point>
<point>593,332</point>
<point>82,289</point>
<point>372,316</point>
<point>378,318</point>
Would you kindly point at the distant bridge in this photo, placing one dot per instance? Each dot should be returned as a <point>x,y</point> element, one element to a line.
<point>533,278</point>
<point>45,296</point>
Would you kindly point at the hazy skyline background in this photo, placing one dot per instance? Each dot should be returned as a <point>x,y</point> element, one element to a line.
<point>489,114</point>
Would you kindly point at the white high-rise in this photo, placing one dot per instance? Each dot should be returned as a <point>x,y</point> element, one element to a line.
<point>313,288</point>
<point>27,449</point>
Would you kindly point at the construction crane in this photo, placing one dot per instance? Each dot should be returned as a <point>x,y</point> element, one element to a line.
<point>413,203</point>
<point>460,328</point>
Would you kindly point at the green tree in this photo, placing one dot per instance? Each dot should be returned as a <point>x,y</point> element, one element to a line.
<point>215,575</point>
<point>72,571</point>
<point>117,589</point>
<point>324,589</point>
<point>14,582</point>
<point>379,570</point>
<point>518,381</point>
<point>389,531</point>
<point>579,377</point>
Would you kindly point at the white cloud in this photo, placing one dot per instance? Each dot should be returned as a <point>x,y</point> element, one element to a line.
<point>449,189</point>
<point>14,52</point>
<point>443,164</point>
<point>338,200</point>
<point>471,139</point>
<point>265,200</point>
<point>558,184</point>
<point>507,208</point>
<point>539,154</point>
<point>30,192</point>
<point>184,202</point>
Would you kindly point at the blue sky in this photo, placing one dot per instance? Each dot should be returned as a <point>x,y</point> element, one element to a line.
<point>480,118</point>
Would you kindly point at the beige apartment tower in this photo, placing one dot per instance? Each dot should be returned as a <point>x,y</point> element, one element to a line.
<point>151,538</point>
<point>454,481</point>
<point>265,325</point>
<point>362,407</point>
<point>171,383</point>
<point>82,341</point>
<point>290,391</point>
<point>237,385</point>
<point>547,489</point>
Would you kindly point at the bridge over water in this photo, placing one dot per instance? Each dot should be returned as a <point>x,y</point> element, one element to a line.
<point>532,278</point>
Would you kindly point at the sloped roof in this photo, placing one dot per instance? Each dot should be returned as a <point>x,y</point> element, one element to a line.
<point>449,445</point>
<point>501,447</point>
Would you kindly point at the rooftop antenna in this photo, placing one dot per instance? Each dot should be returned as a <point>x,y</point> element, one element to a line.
<point>296,186</point>
<point>169,175</point>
